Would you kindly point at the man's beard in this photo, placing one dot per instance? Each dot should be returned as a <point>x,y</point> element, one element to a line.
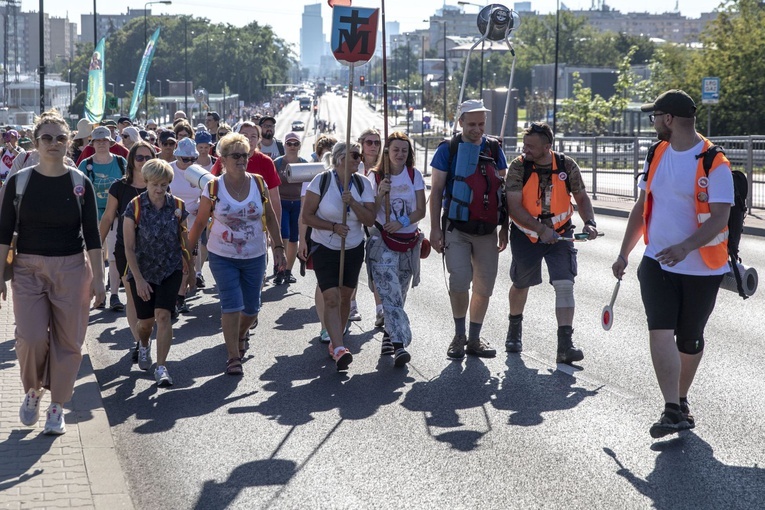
<point>268,136</point>
<point>664,135</point>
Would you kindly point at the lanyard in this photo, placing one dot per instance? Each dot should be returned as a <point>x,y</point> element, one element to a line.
<point>340,186</point>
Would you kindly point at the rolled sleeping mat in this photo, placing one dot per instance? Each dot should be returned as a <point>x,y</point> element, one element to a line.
<point>749,280</point>
<point>198,176</point>
<point>303,172</point>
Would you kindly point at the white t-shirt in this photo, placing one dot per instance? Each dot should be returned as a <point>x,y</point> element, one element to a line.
<point>331,209</point>
<point>673,217</point>
<point>237,228</point>
<point>272,151</point>
<point>184,190</point>
<point>403,200</point>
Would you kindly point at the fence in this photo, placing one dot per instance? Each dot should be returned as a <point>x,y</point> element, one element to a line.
<point>610,165</point>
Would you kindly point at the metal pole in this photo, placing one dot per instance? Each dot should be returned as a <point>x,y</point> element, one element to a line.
<point>480,87</point>
<point>146,92</point>
<point>446,76</point>
<point>555,71</point>
<point>408,86</point>
<point>709,121</point>
<point>42,57</point>
<point>95,25</point>
<point>186,65</point>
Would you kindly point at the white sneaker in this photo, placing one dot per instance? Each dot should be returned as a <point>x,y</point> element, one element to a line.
<point>144,357</point>
<point>29,414</point>
<point>54,424</point>
<point>162,376</point>
<point>354,316</point>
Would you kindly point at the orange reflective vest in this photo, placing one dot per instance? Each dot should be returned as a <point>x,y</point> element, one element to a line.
<point>560,201</point>
<point>715,252</point>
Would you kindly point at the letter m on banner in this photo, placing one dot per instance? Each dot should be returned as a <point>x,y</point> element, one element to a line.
<point>354,34</point>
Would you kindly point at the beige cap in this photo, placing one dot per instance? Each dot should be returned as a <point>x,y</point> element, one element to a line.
<point>84,129</point>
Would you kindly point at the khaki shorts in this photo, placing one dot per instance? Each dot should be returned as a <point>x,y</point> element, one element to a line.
<point>473,259</point>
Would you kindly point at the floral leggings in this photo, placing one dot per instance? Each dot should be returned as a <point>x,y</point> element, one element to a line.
<point>392,275</point>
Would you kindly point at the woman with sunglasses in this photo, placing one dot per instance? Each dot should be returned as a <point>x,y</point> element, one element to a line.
<point>393,251</point>
<point>237,201</point>
<point>54,279</point>
<point>323,212</point>
<point>289,193</point>
<point>120,195</point>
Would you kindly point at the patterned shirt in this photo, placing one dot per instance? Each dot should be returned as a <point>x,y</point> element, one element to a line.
<point>514,179</point>
<point>157,239</point>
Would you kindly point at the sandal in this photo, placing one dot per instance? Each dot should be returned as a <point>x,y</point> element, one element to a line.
<point>244,346</point>
<point>343,358</point>
<point>234,366</point>
<point>254,324</point>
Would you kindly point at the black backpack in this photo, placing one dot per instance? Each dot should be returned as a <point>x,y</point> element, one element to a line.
<point>738,210</point>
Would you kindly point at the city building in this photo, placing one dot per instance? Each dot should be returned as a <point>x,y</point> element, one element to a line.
<point>312,42</point>
<point>108,23</point>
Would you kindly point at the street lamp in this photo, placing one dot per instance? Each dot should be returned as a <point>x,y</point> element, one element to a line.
<point>555,71</point>
<point>145,40</point>
<point>480,87</point>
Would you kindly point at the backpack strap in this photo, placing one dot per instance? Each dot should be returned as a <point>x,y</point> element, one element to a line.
<point>648,160</point>
<point>121,163</point>
<point>356,179</point>
<point>280,147</point>
<point>136,201</point>
<point>22,178</point>
<point>78,180</point>
<point>261,187</point>
<point>212,189</point>
<point>560,163</point>
<point>324,183</point>
<point>709,156</point>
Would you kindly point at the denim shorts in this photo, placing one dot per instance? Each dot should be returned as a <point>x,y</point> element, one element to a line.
<point>290,216</point>
<point>239,282</point>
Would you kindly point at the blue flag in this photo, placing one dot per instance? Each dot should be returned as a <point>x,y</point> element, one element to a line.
<point>140,81</point>
<point>95,102</point>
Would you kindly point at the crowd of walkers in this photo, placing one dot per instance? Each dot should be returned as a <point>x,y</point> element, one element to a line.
<point>154,204</point>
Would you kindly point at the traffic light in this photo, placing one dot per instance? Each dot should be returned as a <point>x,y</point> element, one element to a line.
<point>361,80</point>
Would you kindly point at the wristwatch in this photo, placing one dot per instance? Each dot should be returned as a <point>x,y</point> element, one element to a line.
<point>591,223</point>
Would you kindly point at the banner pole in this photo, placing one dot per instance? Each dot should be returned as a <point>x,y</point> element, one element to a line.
<point>346,171</point>
<point>386,159</point>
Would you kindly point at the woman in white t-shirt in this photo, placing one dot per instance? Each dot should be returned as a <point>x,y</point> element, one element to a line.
<point>236,244</point>
<point>323,212</point>
<point>393,250</point>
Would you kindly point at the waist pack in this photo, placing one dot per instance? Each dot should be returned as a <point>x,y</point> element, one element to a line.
<point>399,242</point>
<point>476,202</point>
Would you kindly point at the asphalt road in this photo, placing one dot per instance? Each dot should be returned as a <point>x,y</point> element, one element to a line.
<point>515,431</point>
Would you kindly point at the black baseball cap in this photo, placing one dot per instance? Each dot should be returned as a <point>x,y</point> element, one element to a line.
<point>266,118</point>
<point>675,102</point>
<point>124,119</point>
<point>165,136</point>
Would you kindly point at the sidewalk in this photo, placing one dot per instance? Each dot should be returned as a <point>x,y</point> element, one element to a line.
<point>79,469</point>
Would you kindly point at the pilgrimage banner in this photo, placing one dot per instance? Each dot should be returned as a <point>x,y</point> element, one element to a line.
<point>140,81</point>
<point>95,102</point>
<point>354,34</point>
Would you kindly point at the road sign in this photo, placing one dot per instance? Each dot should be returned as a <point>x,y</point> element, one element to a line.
<point>710,90</point>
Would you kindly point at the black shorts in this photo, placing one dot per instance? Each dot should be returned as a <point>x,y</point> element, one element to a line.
<point>679,302</point>
<point>120,259</point>
<point>162,296</point>
<point>326,265</point>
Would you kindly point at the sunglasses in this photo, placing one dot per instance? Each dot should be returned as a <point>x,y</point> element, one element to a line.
<point>141,158</point>
<point>50,138</point>
<point>188,160</point>
<point>238,155</point>
<point>355,155</point>
<point>538,128</point>
<point>292,144</point>
<point>376,143</point>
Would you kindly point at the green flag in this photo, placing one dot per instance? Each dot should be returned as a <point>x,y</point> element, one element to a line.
<point>96,100</point>
<point>140,81</point>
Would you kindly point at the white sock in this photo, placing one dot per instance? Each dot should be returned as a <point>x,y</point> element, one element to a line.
<point>379,309</point>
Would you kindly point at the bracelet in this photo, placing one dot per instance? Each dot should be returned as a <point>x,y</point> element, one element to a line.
<point>404,220</point>
<point>280,246</point>
<point>623,260</point>
<point>333,227</point>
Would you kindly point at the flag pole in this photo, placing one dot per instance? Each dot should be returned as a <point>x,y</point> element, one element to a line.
<point>346,170</point>
<point>386,159</point>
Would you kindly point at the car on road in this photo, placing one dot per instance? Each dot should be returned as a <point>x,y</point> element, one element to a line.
<point>298,125</point>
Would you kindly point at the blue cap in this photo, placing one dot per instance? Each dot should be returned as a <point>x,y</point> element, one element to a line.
<point>203,137</point>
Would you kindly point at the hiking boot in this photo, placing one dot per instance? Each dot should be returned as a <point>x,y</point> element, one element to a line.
<point>387,346</point>
<point>481,348</point>
<point>29,414</point>
<point>670,422</point>
<point>115,304</point>
<point>354,316</point>
<point>567,353</point>
<point>279,279</point>
<point>54,424</point>
<point>201,283</point>
<point>456,349</point>
<point>686,411</point>
<point>513,341</point>
<point>288,278</point>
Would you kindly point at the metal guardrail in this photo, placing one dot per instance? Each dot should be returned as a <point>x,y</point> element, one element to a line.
<point>610,165</point>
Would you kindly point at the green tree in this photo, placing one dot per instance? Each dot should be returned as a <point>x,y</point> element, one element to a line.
<point>583,113</point>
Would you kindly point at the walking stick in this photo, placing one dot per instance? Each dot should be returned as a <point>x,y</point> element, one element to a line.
<point>386,160</point>
<point>346,170</point>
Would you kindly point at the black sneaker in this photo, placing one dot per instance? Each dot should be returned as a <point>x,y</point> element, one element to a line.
<point>481,348</point>
<point>288,277</point>
<point>134,354</point>
<point>181,306</point>
<point>456,349</point>
<point>670,422</point>
<point>686,411</point>
<point>387,346</point>
<point>201,282</point>
<point>115,304</point>
<point>280,278</point>
<point>402,357</point>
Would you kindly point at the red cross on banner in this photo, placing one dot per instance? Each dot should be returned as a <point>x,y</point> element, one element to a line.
<point>354,34</point>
